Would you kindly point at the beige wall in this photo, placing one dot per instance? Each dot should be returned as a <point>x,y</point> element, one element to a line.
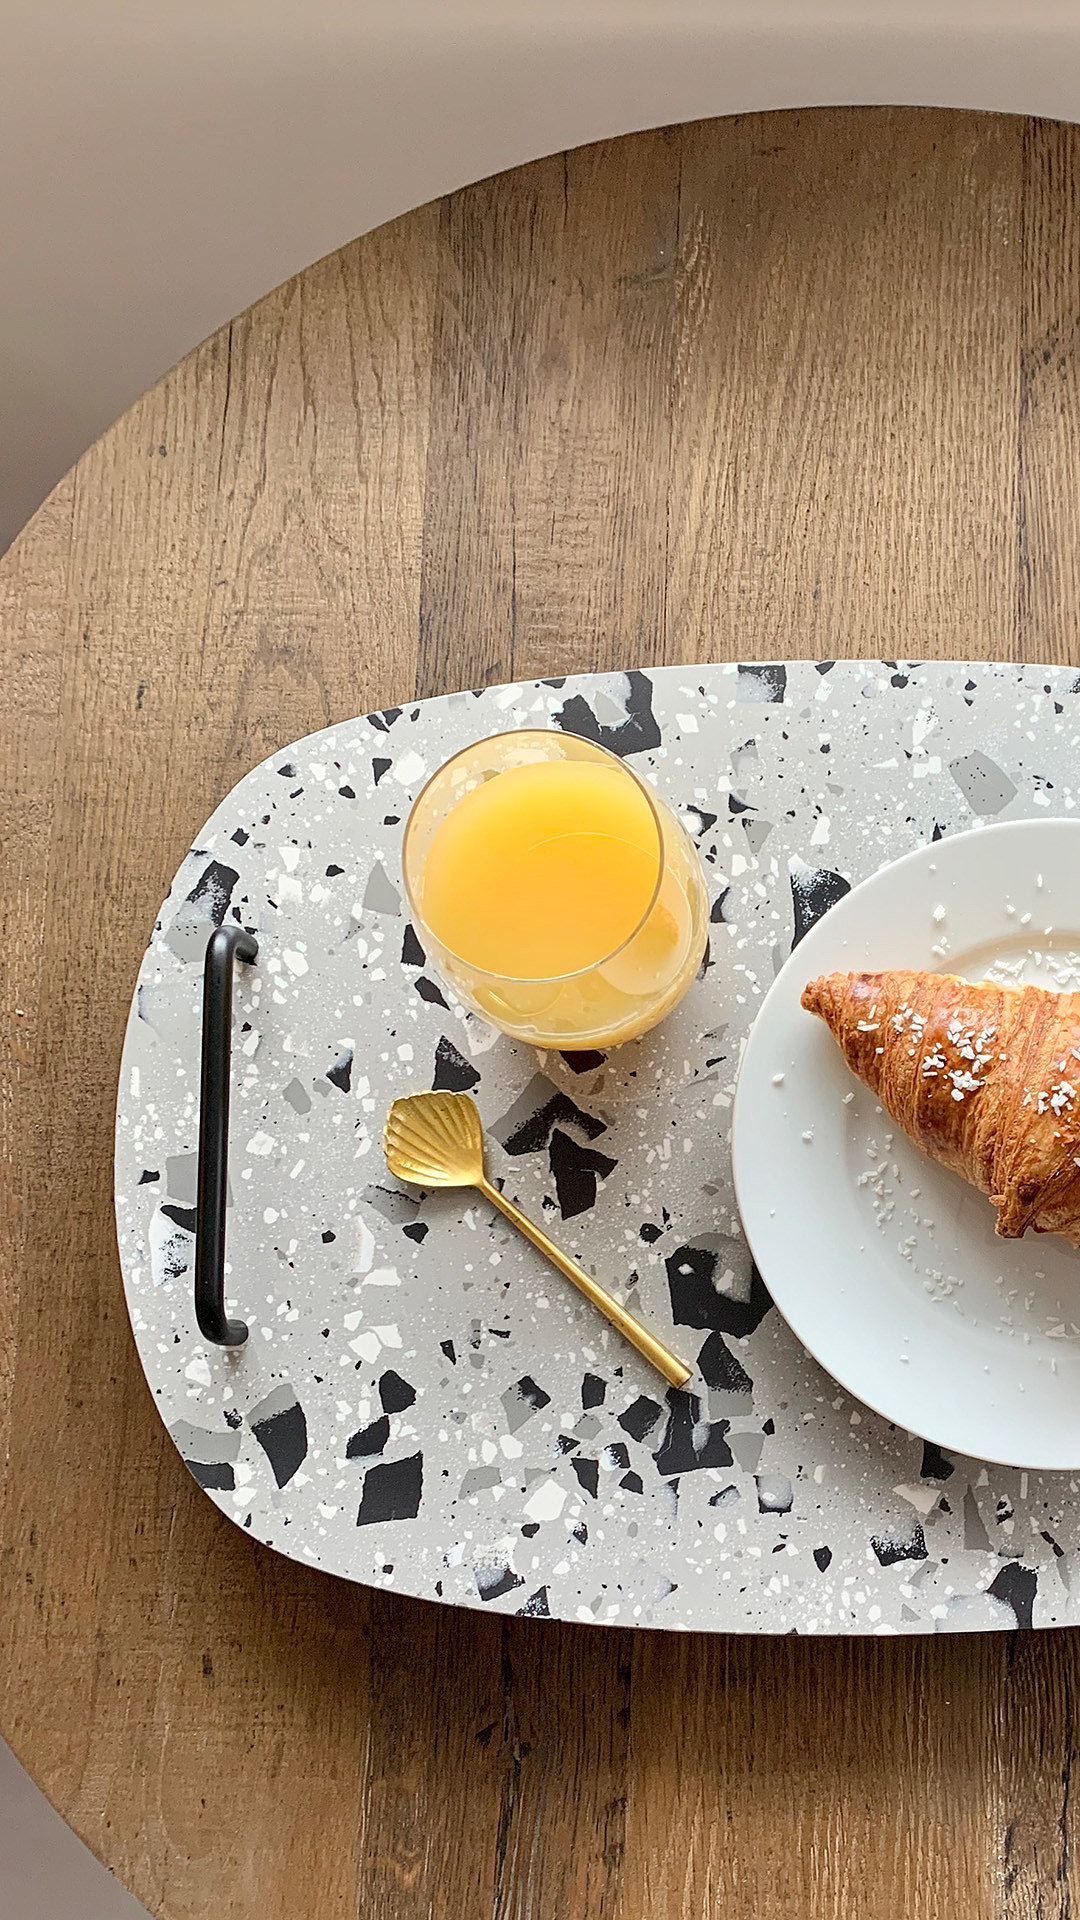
<point>164,162</point>
<point>45,1872</point>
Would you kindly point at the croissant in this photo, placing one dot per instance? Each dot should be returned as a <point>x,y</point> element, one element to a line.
<point>986,1079</point>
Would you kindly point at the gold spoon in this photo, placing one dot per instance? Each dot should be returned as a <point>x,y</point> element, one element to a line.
<point>437,1140</point>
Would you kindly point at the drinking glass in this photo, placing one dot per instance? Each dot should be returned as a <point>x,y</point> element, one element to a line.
<point>510,899</point>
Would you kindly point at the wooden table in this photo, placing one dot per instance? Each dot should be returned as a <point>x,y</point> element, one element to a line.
<point>788,384</point>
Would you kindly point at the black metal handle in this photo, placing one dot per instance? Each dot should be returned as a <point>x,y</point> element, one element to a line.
<point>225,943</point>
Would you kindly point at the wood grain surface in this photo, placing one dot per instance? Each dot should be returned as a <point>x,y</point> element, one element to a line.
<point>790,384</point>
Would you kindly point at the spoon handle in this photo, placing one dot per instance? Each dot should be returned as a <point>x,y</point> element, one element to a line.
<point>646,1343</point>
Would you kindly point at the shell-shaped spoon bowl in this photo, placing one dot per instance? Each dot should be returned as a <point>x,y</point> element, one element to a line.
<point>435,1140</point>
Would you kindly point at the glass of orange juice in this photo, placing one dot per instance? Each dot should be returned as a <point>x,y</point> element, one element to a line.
<point>557,894</point>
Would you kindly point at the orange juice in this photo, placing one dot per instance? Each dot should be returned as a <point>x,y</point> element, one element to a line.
<point>543,870</point>
<point>556,894</point>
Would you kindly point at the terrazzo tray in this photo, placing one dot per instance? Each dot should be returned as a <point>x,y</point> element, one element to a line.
<point>422,1405</point>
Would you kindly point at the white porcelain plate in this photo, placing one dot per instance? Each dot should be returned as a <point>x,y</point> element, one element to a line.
<point>885,1265</point>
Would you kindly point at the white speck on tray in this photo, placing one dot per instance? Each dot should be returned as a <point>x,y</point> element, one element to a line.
<point>939,915</point>
<point>808,1136</point>
<point>778,1079</point>
<point>409,768</point>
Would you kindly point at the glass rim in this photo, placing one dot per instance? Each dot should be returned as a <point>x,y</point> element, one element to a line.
<point>534,979</point>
